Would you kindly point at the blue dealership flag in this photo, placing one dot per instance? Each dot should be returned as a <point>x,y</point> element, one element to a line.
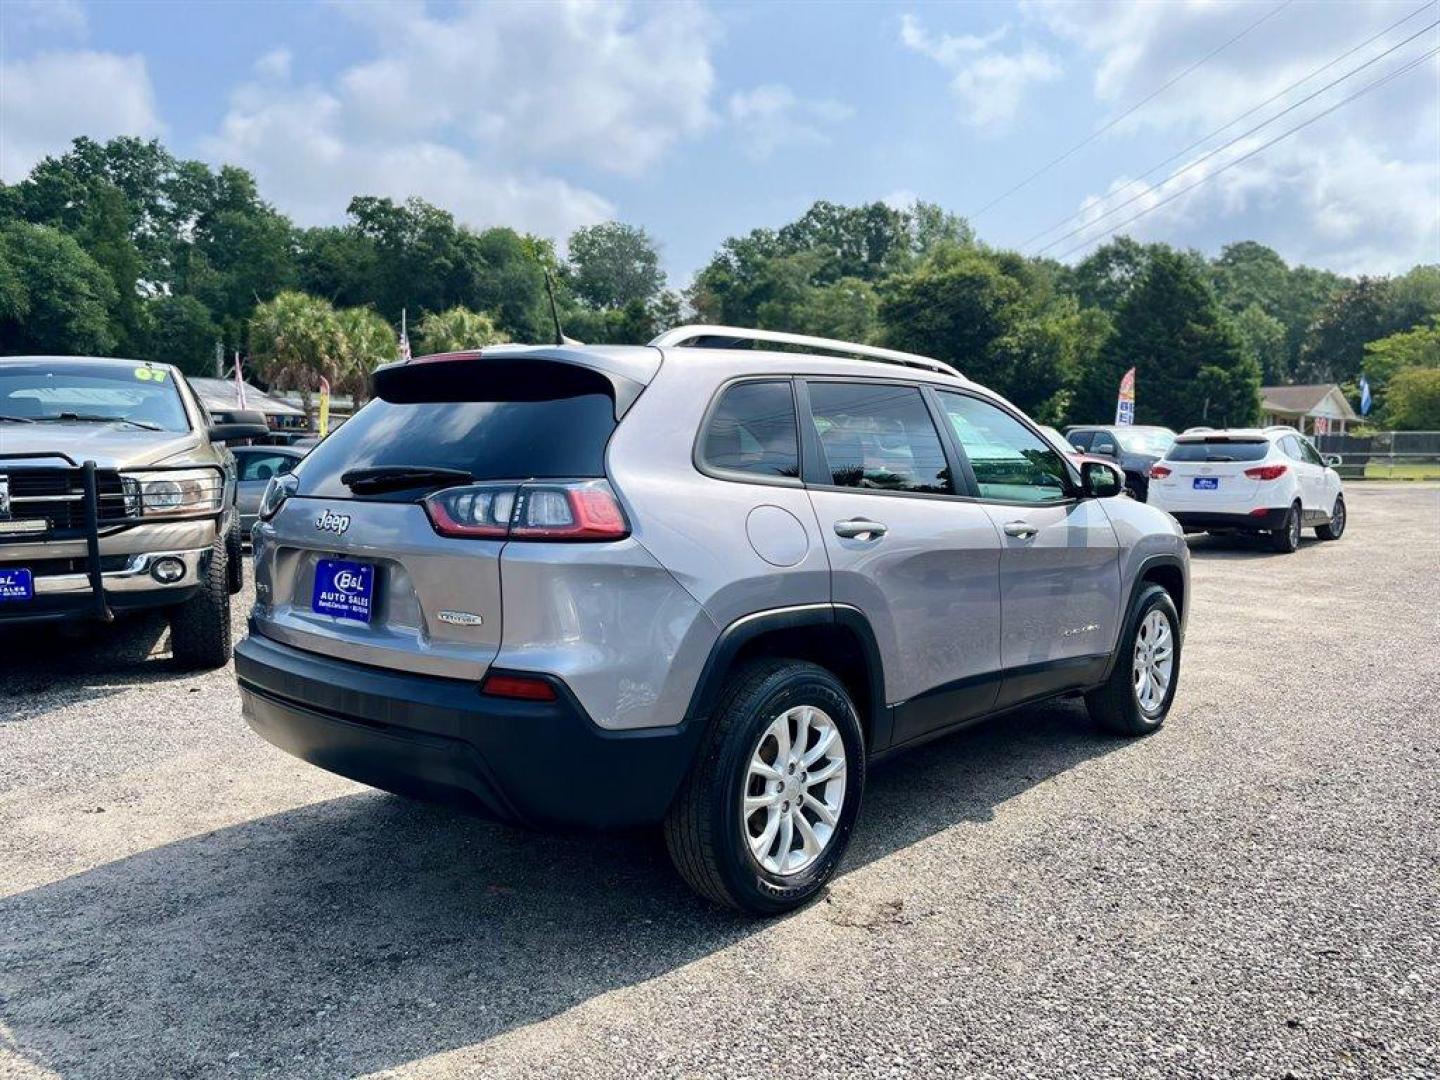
<point>1364,396</point>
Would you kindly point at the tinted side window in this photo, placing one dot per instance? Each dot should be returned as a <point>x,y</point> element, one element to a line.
<point>1081,439</point>
<point>753,430</point>
<point>1291,446</point>
<point>1009,460</point>
<point>878,437</point>
<point>1309,452</point>
<point>1104,443</point>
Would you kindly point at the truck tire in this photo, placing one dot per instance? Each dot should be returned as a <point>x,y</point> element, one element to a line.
<point>200,627</point>
<point>784,744</point>
<point>234,557</point>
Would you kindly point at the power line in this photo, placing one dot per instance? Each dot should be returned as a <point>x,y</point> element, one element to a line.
<point>1223,146</point>
<point>1259,149</point>
<point>1143,101</point>
<point>1245,115</point>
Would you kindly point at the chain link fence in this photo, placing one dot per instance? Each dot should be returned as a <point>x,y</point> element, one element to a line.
<point>1386,455</point>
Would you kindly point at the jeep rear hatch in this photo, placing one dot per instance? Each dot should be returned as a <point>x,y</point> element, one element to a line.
<point>388,550</point>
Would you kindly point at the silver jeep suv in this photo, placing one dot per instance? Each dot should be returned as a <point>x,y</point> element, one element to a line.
<point>698,582</point>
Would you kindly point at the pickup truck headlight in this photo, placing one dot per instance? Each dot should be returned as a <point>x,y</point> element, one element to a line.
<point>175,492</point>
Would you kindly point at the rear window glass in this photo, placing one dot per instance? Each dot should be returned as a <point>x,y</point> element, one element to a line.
<point>1219,450</point>
<point>563,436</point>
<point>753,430</point>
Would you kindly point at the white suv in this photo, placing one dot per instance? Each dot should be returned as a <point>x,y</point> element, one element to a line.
<point>1250,480</point>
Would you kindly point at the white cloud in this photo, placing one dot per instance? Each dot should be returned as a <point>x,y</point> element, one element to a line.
<point>51,98</point>
<point>989,83</point>
<point>470,107</point>
<point>1359,190</point>
<point>47,16</point>
<point>772,117</point>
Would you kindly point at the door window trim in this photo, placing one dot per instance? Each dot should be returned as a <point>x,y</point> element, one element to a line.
<point>815,469</point>
<point>740,476</point>
<point>1071,476</point>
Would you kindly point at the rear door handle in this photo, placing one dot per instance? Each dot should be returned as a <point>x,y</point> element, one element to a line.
<point>860,529</point>
<point>1021,529</point>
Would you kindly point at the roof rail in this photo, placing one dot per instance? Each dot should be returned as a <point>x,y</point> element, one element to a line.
<point>730,335</point>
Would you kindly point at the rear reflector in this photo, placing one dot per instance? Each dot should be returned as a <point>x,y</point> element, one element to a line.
<point>1266,472</point>
<point>1158,472</point>
<point>520,687</point>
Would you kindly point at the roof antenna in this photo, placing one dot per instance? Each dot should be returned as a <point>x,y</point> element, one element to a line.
<point>560,338</point>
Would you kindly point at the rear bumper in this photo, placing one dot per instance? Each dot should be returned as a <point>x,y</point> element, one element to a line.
<point>532,763</point>
<point>1269,519</point>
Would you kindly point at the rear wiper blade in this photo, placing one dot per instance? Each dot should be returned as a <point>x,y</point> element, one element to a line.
<point>87,418</point>
<point>380,478</point>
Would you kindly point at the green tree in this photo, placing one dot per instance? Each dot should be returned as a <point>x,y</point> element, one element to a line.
<point>1190,366</point>
<point>57,298</point>
<point>457,329</point>
<point>366,342</point>
<point>295,340</point>
<point>1104,278</point>
<point>613,264</point>
<point>1334,349</point>
<point>958,306</point>
<point>1265,341</point>
<point>847,308</point>
<point>1412,402</point>
<point>182,333</point>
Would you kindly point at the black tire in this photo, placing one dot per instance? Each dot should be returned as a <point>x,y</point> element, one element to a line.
<point>1335,527</point>
<point>234,557</point>
<point>704,831</point>
<point>200,627</point>
<point>1286,539</point>
<point>1114,705</point>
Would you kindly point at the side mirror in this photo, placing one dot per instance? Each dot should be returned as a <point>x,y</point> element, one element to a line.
<point>1334,461</point>
<point>238,424</point>
<point>1101,480</point>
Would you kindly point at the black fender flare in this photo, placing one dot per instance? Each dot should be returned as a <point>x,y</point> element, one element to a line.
<point>734,637</point>
<point>1137,586</point>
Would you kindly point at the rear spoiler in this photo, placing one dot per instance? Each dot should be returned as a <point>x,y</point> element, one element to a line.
<point>480,375</point>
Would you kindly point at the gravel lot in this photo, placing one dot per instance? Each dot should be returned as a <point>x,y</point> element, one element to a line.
<point>1255,891</point>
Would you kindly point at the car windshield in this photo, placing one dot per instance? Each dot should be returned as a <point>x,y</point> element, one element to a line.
<point>1145,440</point>
<point>58,390</point>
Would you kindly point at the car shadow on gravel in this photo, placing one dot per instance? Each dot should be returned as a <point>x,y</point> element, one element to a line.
<point>364,932</point>
<point>79,663</point>
<point>1240,546</point>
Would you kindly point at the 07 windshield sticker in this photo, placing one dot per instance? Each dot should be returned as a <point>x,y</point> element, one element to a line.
<point>150,374</point>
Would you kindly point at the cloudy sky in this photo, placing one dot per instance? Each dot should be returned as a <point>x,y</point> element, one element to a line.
<point>700,120</point>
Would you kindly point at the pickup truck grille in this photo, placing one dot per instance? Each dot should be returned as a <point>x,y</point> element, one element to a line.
<point>59,496</point>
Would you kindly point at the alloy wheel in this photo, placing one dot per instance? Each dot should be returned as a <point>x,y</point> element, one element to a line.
<point>1154,661</point>
<point>794,790</point>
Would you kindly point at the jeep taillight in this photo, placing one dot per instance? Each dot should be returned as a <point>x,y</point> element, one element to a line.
<point>579,510</point>
<point>1266,472</point>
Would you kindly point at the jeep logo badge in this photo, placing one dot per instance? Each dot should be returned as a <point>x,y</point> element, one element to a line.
<point>336,523</point>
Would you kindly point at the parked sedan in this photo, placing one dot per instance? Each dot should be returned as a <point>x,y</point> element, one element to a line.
<point>255,465</point>
<point>1134,449</point>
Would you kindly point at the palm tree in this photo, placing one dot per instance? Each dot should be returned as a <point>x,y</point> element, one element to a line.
<point>366,342</point>
<point>456,329</point>
<point>296,340</point>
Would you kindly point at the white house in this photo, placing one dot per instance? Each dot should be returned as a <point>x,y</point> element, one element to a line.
<point>1315,410</point>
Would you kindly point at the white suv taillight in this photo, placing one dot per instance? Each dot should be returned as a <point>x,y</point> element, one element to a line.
<point>579,510</point>
<point>1266,472</point>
